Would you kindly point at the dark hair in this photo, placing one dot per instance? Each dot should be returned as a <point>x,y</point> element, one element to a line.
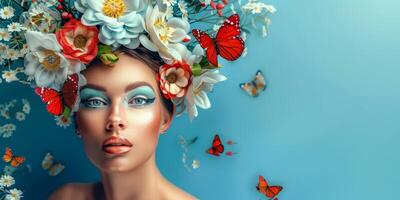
<point>151,59</point>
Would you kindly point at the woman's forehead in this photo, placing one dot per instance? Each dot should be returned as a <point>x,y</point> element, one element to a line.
<point>127,73</point>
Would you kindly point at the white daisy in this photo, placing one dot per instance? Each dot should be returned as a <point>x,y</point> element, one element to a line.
<point>7,12</point>
<point>12,54</point>
<point>20,116</point>
<point>10,75</point>
<point>4,113</point>
<point>182,7</point>
<point>15,27</point>
<point>7,130</point>
<point>3,51</point>
<point>4,34</point>
<point>26,108</point>
<point>62,121</point>
<point>6,181</point>
<point>14,194</point>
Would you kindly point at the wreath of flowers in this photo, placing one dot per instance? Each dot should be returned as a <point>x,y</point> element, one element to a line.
<point>55,39</point>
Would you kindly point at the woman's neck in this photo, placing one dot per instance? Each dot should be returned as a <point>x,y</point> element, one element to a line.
<point>141,183</point>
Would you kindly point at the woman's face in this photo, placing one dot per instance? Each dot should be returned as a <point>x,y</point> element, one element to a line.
<point>121,114</point>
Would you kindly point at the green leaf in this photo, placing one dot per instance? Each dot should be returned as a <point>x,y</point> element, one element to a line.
<point>196,70</point>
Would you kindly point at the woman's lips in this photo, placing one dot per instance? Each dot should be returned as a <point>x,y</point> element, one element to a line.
<point>116,145</point>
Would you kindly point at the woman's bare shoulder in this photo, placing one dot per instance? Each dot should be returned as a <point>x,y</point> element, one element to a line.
<point>73,191</point>
<point>173,192</point>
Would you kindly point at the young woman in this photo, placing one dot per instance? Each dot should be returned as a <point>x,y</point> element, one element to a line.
<point>120,118</point>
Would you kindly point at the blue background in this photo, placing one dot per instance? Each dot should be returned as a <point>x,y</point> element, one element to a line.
<point>327,127</point>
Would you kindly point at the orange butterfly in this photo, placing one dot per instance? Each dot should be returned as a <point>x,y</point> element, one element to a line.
<point>269,191</point>
<point>10,157</point>
<point>217,147</point>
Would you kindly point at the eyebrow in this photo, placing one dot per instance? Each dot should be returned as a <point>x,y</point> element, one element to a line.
<point>127,88</point>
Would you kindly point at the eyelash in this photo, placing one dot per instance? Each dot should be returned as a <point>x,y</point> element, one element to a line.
<point>89,103</point>
<point>143,99</point>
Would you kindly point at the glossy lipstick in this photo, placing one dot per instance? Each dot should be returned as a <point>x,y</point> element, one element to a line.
<point>116,145</point>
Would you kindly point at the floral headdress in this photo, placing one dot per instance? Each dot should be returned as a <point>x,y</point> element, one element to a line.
<point>58,38</point>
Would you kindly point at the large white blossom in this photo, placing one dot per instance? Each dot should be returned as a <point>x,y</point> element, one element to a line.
<point>164,34</point>
<point>45,61</point>
<point>120,20</point>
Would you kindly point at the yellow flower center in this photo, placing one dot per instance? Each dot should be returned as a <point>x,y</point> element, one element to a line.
<point>51,61</point>
<point>37,19</point>
<point>164,31</point>
<point>114,8</point>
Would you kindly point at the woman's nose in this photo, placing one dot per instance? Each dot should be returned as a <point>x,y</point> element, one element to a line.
<point>116,120</point>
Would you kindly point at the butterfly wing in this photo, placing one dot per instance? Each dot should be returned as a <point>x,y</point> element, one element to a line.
<point>229,43</point>
<point>208,44</point>
<point>272,191</point>
<point>259,81</point>
<point>56,169</point>
<point>70,90</point>
<point>52,98</point>
<point>262,185</point>
<point>8,155</point>
<point>47,161</point>
<point>17,160</point>
<point>217,146</point>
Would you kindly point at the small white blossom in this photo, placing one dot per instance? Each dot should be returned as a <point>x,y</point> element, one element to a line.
<point>15,27</point>
<point>4,34</point>
<point>14,194</point>
<point>6,181</point>
<point>63,121</point>
<point>10,75</point>
<point>20,116</point>
<point>7,12</point>
<point>169,3</point>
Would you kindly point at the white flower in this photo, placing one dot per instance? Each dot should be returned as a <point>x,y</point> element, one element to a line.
<point>120,21</point>
<point>169,3</point>
<point>182,7</point>
<point>12,54</point>
<point>197,92</point>
<point>233,9</point>
<point>20,116</point>
<point>40,18</point>
<point>6,181</point>
<point>62,121</point>
<point>26,108</point>
<point>169,12</point>
<point>14,194</point>
<point>3,51</point>
<point>164,34</point>
<point>4,34</point>
<point>10,76</point>
<point>45,61</point>
<point>196,164</point>
<point>270,8</point>
<point>15,27</point>
<point>244,54</point>
<point>7,12</point>
<point>7,130</point>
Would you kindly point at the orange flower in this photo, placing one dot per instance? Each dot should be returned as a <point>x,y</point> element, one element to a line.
<point>78,41</point>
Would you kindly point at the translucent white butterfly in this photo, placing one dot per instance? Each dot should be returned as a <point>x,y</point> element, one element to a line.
<point>49,163</point>
<point>254,87</point>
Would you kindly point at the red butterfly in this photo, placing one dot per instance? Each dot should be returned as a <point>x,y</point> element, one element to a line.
<point>57,101</point>
<point>228,43</point>
<point>217,147</point>
<point>269,191</point>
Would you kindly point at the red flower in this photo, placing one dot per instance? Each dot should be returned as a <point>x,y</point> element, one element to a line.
<point>174,79</point>
<point>78,41</point>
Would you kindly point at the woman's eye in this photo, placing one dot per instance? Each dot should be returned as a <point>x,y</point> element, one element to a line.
<point>94,103</point>
<point>140,101</point>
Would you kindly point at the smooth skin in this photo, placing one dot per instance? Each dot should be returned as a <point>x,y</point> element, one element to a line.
<point>118,103</point>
